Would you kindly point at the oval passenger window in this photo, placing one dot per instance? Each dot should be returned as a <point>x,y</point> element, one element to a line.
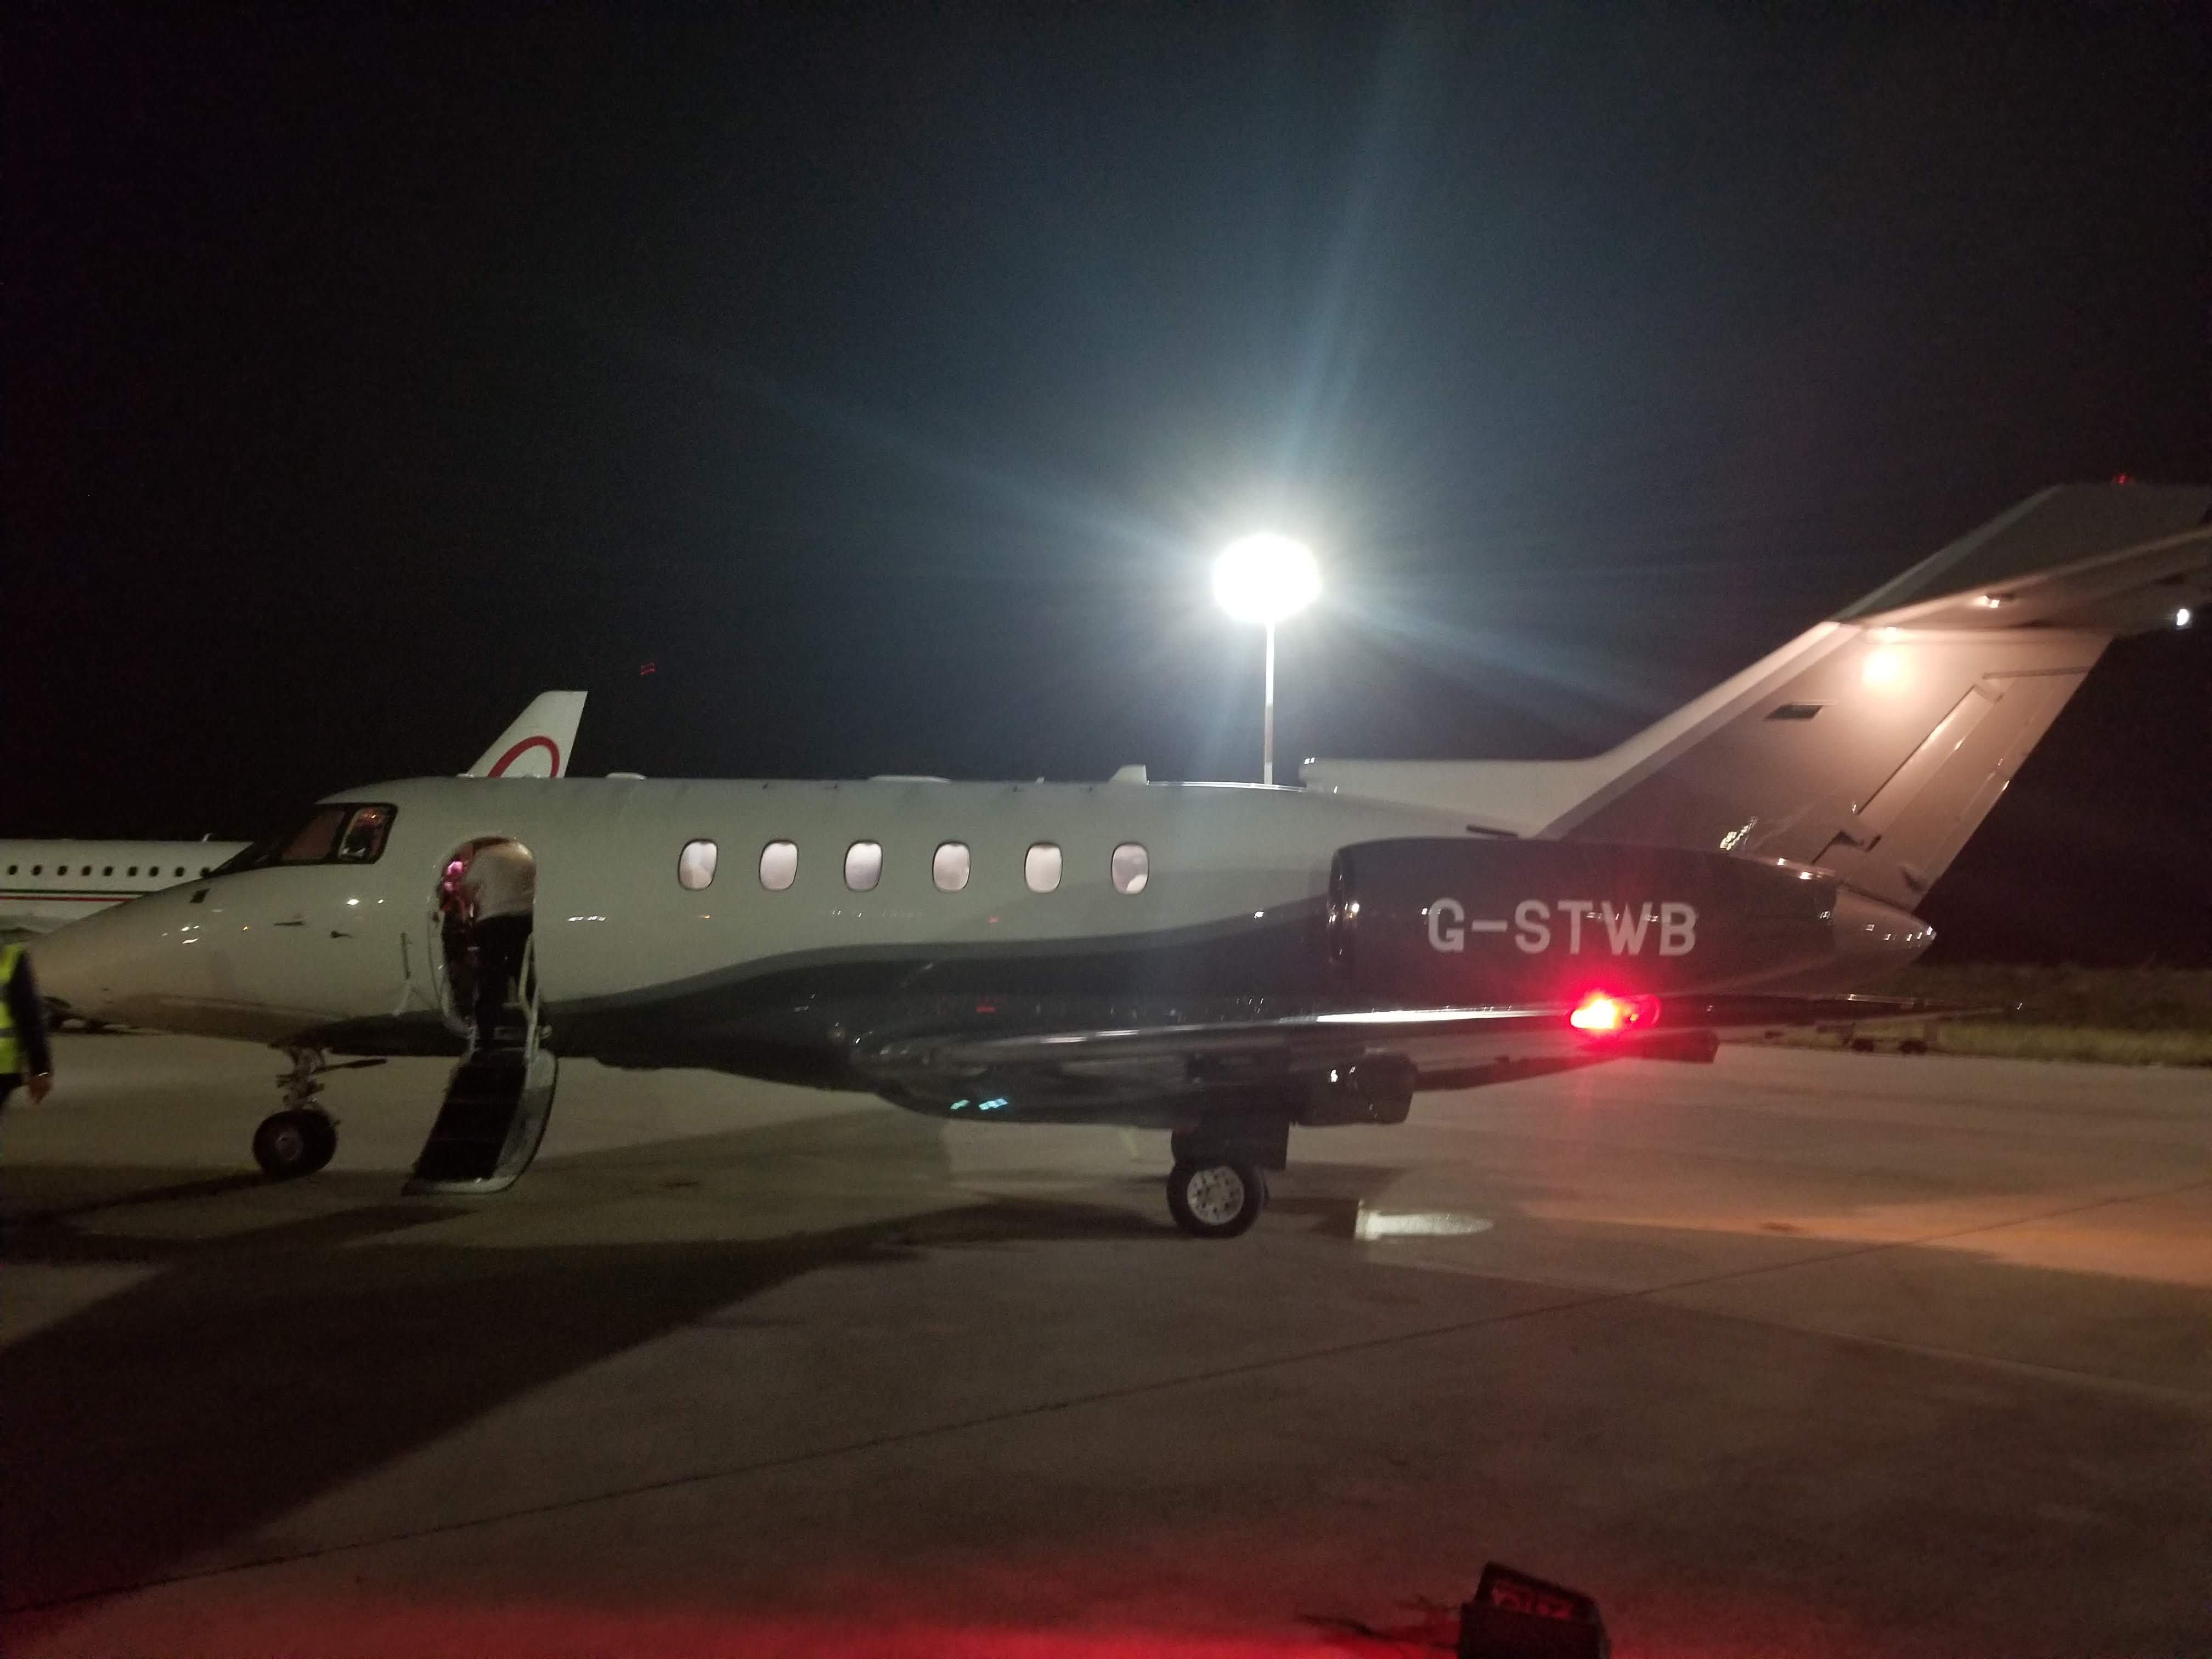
<point>949,869</point>
<point>695,865</point>
<point>1041,869</point>
<point>779,865</point>
<point>864,864</point>
<point>1131,868</point>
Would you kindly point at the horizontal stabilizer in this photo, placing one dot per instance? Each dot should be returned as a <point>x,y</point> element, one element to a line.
<point>2115,558</point>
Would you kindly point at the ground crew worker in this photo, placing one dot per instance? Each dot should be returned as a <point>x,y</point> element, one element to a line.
<point>25,1055</point>
<point>501,889</point>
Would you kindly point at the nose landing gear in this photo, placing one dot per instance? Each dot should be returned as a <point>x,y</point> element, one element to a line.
<point>295,1143</point>
<point>300,1138</point>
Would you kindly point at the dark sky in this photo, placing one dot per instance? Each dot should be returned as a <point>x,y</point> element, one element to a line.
<point>885,377</point>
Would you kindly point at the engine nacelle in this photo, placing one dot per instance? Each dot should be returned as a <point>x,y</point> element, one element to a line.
<point>1436,922</point>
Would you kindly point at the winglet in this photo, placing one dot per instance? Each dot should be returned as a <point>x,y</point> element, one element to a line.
<point>537,746</point>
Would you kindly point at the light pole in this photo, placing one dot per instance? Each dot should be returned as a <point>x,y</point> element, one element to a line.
<point>1263,579</point>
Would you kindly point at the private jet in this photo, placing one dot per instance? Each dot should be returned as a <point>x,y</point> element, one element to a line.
<point>1224,962</point>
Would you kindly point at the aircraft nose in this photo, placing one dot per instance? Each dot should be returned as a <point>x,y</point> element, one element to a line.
<point>92,966</point>
<point>62,968</point>
<point>1869,932</point>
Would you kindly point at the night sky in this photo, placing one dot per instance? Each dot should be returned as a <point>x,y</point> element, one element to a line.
<point>884,378</point>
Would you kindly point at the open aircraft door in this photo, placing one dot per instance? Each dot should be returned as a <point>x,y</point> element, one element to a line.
<point>483,968</point>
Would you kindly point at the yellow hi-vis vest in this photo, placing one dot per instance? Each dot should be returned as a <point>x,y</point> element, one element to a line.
<point>11,1049</point>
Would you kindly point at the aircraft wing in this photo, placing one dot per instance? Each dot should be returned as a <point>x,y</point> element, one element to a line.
<point>1347,1060</point>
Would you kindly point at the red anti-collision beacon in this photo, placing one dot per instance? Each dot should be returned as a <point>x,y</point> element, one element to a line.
<point>1600,1015</point>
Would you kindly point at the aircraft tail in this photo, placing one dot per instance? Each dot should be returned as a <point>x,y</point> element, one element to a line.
<point>537,746</point>
<point>1876,743</point>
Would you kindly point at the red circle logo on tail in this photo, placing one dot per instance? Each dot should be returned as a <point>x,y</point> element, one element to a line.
<point>552,750</point>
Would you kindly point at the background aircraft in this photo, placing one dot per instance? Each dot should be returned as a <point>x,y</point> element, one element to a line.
<point>1222,961</point>
<point>46,884</point>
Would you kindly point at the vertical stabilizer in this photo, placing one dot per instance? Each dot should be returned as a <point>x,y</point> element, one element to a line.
<point>1876,743</point>
<point>537,746</point>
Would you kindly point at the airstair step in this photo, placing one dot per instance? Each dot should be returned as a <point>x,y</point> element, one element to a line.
<point>489,1125</point>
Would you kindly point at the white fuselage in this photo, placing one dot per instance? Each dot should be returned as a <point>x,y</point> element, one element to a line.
<point>765,926</point>
<point>272,953</point>
<point>46,884</point>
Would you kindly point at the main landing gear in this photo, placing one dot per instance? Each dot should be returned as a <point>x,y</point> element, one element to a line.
<point>1216,1197</point>
<point>300,1138</point>
<point>1219,1184</point>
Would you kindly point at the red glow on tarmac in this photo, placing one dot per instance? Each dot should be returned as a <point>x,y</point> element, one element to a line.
<point>431,1630</point>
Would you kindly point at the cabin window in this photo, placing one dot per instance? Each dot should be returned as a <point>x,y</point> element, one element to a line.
<point>1131,869</point>
<point>87,869</point>
<point>779,866</point>
<point>108,870</point>
<point>1041,869</point>
<point>864,864</point>
<point>37,869</point>
<point>949,869</point>
<point>363,839</point>
<point>695,865</point>
<point>11,869</point>
<point>133,870</point>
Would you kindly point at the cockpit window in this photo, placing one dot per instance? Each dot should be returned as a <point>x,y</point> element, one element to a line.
<point>362,842</point>
<point>312,842</point>
<point>348,832</point>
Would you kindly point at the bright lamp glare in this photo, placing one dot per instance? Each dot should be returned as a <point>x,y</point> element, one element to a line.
<point>2181,617</point>
<point>1266,578</point>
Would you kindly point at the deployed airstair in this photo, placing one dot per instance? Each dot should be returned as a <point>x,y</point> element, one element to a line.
<point>497,1102</point>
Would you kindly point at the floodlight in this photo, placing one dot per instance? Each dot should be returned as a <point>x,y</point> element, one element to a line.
<point>1263,579</point>
<point>1266,578</point>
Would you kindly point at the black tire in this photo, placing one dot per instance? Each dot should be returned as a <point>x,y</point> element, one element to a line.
<point>1862,1045</point>
<point>288,1145</point>
<point>1913,1046</point>
<point>1216,1197</point>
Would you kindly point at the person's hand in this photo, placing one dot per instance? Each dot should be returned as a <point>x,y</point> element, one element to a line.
<point>41,1084</point>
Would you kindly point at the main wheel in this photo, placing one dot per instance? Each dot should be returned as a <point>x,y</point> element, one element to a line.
<point>1216,1197</point>
<point>294,1143</point>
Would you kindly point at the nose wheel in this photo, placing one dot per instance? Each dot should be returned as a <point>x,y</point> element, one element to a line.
<point>300,1138</point>
<point>294,1143</point>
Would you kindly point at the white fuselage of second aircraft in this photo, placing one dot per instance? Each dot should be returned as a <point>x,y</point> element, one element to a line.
<point>44,884</point>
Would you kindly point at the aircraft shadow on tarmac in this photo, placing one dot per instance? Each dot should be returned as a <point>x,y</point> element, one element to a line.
<point>254,1369</point>
<point>158,1430</point>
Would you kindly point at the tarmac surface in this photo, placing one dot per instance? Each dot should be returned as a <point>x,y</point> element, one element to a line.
<point>1796,1353</point>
